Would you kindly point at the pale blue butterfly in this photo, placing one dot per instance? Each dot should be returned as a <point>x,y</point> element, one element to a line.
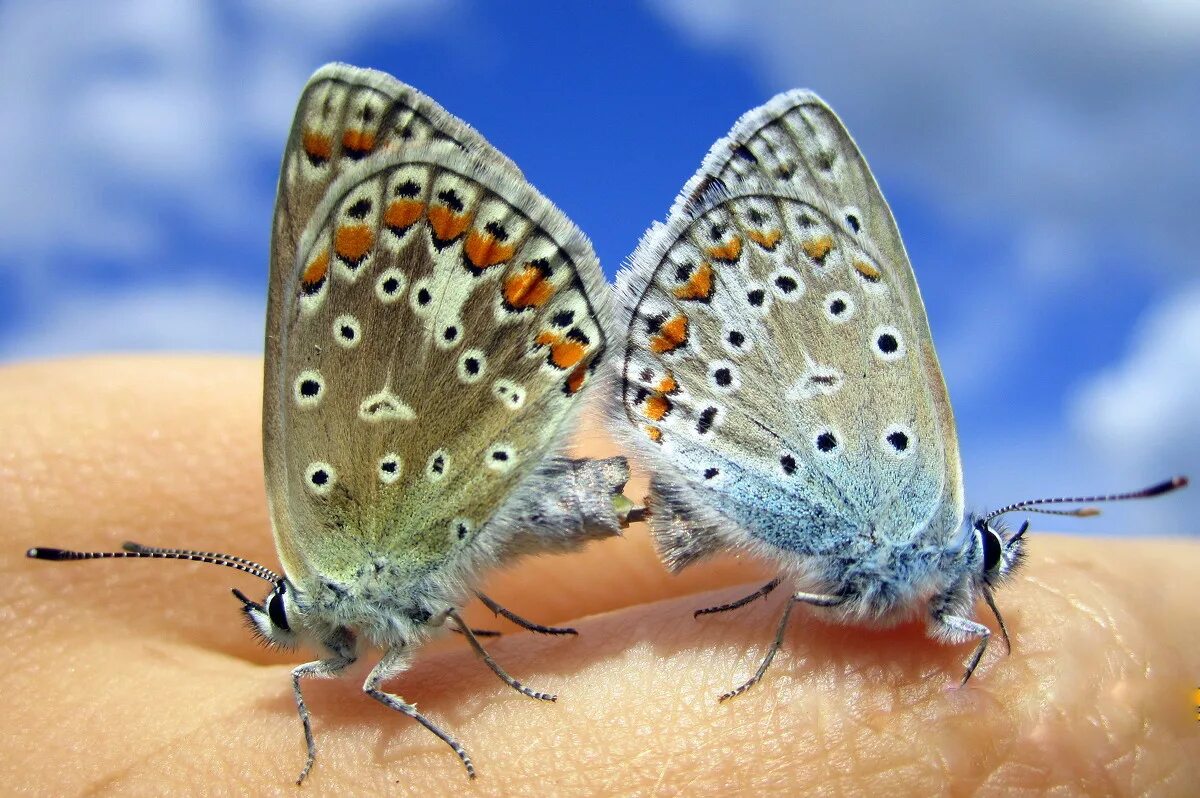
<point>433,325</point>
<point>779,376</point>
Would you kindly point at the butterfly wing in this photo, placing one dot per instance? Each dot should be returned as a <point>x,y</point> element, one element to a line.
<point>345,114</point>
<point>432,320</point>
<point>778,361</point>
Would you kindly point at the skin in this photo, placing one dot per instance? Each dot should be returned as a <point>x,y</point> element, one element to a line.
<point>134,677</point>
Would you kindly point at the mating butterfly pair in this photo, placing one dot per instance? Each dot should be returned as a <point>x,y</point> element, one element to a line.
<point>434,324</point>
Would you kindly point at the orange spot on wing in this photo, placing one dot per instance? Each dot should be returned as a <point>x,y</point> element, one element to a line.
<point>527,288</point>
<point>485,250</point>
<point>868,271</point>
<point>317,146</point>
<point>353,241</point>
<point>729,252</point>
<point>654,434</point>
<point>766,240</point>
<point>447,225</point>
<point>575,380</point>
<point>358,141</point>
<point>818,248</point>
<point>545,338</point>
<point>566,354</point>
<point>402,214</point>
<point>656,407</point>
<point>671,336</point>
<point>667,385</point>
<point>699,286</point>
<point>316,269</point>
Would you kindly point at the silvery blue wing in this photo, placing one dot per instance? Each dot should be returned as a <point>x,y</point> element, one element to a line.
<point>433,326</point>
<point>779,376</point>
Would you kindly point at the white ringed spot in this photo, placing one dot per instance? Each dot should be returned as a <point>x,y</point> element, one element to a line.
<point>389,468</point>
<point>887,343</point>
<point>724,376</point>
<point>827,442</point>
<point>508,392</point>
<point>839,307</point>
<point>897,440</point>
<point>320,478</point>
<point>471,365</point>
<point>308,389</point>
<point>787,284</point>
<point>385,406</point>
<point>500,457</point>
<point>437,465</point>
<point>347,331</point>
<point>390,285</point>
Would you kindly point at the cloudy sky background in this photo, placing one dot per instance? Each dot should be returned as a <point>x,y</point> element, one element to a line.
<point>1042,160</point>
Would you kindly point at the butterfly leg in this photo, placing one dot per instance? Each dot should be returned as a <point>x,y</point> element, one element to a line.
<point>495,666</point>
<point>524,623</point>
<point>762,592</point>
<point>960,628</point>
<point>320,669</point>
<point>480,632</point>
<point>817,600</point>
<point>395,662</point>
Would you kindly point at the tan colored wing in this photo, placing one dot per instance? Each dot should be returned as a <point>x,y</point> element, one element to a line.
<point>434,336</point>
<point>345,114</point>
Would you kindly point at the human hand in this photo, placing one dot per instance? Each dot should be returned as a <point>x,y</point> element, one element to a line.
<point>133,677</point>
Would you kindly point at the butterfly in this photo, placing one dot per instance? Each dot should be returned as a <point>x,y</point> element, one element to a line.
<point>778,376</point>
<point>433,325</point>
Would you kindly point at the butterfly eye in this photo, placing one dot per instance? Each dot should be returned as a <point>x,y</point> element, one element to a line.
<point>991,550</point>
<point>276,612</point>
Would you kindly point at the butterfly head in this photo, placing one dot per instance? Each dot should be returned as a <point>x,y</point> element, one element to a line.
<point>273,620</point>
<point>1002,550</point>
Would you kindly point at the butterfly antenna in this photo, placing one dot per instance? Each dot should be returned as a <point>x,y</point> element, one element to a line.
<point>138,551</point>
<point>1032,505</point>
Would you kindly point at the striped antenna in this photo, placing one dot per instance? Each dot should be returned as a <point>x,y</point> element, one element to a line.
<point>135,551</point>
<point>1031,505</point>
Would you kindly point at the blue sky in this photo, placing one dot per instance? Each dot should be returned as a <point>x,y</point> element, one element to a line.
<point>1042,160</point>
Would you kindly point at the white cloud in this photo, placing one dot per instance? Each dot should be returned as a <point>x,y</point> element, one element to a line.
<point>105,102</point>
<point>1143,415</point>
<point>199,316</point>
<point>120,114</point>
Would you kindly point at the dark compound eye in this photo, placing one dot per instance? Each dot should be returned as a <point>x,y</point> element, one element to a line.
<point>276,612</point>
<point>991,550</point>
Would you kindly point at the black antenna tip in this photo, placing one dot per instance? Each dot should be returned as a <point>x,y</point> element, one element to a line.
<point>48,554</point>
<point>1175,483</point>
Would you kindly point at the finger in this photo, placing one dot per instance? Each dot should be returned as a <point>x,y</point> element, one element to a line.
<point>146,670</point>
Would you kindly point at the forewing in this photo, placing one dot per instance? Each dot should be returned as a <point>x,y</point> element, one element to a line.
<point>345,115</point>
<point>440,323</point>
<point>778,361</point>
